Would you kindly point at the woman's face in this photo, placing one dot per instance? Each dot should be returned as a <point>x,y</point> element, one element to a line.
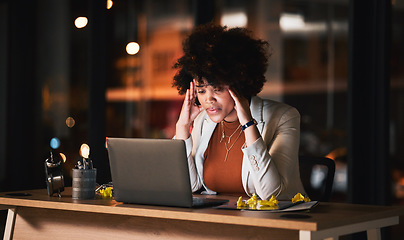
<point>217,101</point>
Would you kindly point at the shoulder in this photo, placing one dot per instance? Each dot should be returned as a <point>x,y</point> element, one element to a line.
<point>273,109</point>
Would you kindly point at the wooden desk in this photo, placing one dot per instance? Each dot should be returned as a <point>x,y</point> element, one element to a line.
<point>39,216</point>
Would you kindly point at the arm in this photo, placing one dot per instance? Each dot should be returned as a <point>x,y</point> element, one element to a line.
<point>189,112</point>
<point>193,175</point>
<point>270,156</point>
<point>272,160</point>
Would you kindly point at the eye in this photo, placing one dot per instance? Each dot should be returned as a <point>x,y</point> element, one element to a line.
<point>218,89</point>
<point>200,91</point>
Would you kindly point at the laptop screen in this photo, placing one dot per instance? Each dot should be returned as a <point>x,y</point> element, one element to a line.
<point>150,171</point>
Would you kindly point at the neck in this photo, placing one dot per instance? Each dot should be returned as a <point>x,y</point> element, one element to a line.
<point>232,117</point>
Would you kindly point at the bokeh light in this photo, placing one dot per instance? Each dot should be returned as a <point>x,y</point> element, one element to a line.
<point>109,4</point>
<point>234,19</point>
<point>289,21</point>
<point>132,48</point>
<point>63,157</point>
<point>81,22</point>
<point>70,122</point>
<point>55,143</point>
<point>84,150</point>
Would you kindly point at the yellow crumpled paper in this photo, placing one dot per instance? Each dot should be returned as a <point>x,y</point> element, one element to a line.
<point>250,203</point>
<point>299,197</point>
<point>106,193</point>
<point>272,202</point>
<point>254,203</point>
<point>241,203</point>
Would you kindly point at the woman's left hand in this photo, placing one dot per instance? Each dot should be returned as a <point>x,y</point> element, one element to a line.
<point>242,106</point>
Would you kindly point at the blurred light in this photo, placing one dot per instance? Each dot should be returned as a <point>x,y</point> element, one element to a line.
<point>81,22</point>
<point>63,157</point>
<point>337,153</point>
<point>84,150</point>
<point>318,176</point>
<point>109,4</point>
<point>55,143</point>
<point>289,21</point>
<point>70,122</point>
<point>235,19</point>
<point>132,48</point>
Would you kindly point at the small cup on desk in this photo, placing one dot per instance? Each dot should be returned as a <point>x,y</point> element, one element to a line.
<point>84,181</point>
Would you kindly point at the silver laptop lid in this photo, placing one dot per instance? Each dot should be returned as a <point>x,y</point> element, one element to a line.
<point>150,171</point>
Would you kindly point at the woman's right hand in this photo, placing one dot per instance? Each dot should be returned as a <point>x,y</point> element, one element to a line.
<point>189,112</point>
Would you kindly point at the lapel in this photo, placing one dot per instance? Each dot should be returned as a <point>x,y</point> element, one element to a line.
<point>207,129</point>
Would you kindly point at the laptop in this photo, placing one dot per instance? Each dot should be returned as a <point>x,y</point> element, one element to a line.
<point>152,172</point>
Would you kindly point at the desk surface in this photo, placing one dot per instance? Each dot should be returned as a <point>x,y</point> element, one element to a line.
<point>323,216</point>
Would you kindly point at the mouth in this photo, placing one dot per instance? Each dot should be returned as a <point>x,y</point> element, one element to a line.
<point>212,110</point>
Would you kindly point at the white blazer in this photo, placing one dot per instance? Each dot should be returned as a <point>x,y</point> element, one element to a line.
<point>270,164</point>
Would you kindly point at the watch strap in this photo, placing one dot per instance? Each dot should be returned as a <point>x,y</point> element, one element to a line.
<point>248,124</point>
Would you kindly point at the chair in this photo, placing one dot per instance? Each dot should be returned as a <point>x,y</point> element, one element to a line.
<point>324,169</point>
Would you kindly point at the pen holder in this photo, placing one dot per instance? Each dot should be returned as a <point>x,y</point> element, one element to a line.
<point>84,181</point>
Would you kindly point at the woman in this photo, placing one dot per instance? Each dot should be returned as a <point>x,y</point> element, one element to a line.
<point>240,143</point>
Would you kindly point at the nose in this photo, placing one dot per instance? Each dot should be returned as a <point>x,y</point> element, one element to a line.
<point>210,97</point>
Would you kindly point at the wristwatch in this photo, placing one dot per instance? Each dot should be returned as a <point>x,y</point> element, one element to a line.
<point>250,123</point>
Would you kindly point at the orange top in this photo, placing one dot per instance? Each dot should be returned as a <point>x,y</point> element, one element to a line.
<point>223,174</point>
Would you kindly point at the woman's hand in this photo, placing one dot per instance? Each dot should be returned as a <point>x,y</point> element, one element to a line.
<point>189,112</point>
<point>242,106</point>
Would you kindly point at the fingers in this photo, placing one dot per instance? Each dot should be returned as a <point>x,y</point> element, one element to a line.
<point>242,106</point>
<point>191,87</point>
<point>192,92</point>
<point>233,95</point>
<point>187,97</point>
<point>189,108</point>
